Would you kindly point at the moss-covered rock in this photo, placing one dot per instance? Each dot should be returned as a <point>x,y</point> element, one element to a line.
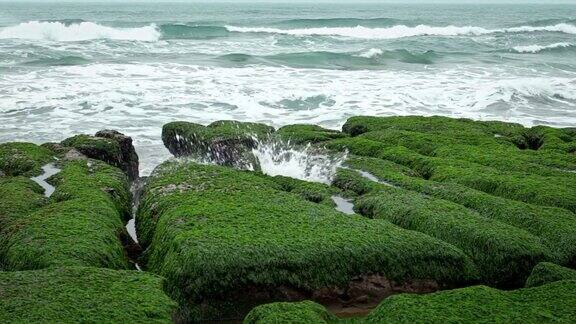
<point>224,142</point>
<point>300,134</point>
<point>555,227</point>
<point>504,254</point>
<point>23,159</point>
<point>78,294</point>
<point>227,240</point>
<point>300,312</point>
<point>109,146</point>
<point>80,225</point>
<point>547,272</point>
<point>553,302</point>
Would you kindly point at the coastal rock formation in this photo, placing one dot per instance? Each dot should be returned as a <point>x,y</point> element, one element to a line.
<point>301,312</point>
<point>73,294</point>
<point>547,272</point>
<point>477,304</point>
<point>79,225</point>
<point>227,240</point>
<point>439,204</point>
<point>228,143</point>
<point>109,146</point>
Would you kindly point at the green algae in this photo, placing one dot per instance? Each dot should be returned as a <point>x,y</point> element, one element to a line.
<point>80,294</point>
<point>303,134</point>
<point>300,312</point>
<point>504,254</point>
<point>80,225</point>
<point>23,159</point>
<point>555,227</point>
<point>547,272</point>
<point>214,232</point>
<point>553,302</point>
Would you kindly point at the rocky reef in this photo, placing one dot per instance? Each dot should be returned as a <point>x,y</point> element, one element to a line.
<point>453,220</point>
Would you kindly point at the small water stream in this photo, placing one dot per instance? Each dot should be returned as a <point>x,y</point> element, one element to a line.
<point>49,170</point>
<point>343,205</point>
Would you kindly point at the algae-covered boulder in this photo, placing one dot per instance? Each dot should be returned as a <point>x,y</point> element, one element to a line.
<point>79,225</point>
<point>300,134</point>
<point>504,254</point>
<point>227,240</point>
<point>109,146</point>
<point>478,155</point>
<point>547,272</point>
<point>299,312</point>
<point>23,159</point>
<point>553,302</point>
<point>80,294</point>
<point>227,143</point>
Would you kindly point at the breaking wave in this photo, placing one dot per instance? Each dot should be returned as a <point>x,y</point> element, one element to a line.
<point>70,32</point>
<point>533,49</point>
<point>78,30</point>
<point>400,31</point>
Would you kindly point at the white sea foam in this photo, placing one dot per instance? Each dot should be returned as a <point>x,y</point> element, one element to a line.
<point>300,162</point>
<point>539,48</point>
<point>400,31</point>
<point>52,104</point>
<point>371,53</point>
<point>57,31</point>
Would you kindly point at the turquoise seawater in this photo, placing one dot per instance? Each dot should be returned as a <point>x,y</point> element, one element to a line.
<point>74,68</point>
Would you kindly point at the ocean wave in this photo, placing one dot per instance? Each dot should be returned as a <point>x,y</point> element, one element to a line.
<point>65,32</point>
<point>60,61</point>
<point>400,31</point>
<point>533,49</point>
<point>344,22</point>
<point>179,31</point>
<point>370,59</point>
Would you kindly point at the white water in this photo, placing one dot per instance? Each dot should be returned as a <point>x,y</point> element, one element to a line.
<point>401,31</point>
<point>299,162</point>
<point>343,205</point>
<point>538,48</point>
<point>57,31</point>
<point>56,103</point>
<point>49,170</point>
<point>371,53</point>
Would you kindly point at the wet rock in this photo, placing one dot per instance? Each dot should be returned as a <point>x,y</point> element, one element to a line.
<point>109,146</point>
<point>252,239</point>
<point>129,160</point>
<point>228,143</point>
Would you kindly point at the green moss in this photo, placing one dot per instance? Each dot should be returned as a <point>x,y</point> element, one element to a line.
<point>549,303</point>
<point>480,155</point>
<point>104,149</point>
<point>227,143</point>
<point>300,134</point>
<point>80,226</point>
<point>76,294</point>
<point>24,159</point>
<point>311,191</point>
<point>556,227</point>
<point>504,254</point>
<point>301,312</point>
<point>214,232</point>
<point>547,272</point>
<point>19,196</point>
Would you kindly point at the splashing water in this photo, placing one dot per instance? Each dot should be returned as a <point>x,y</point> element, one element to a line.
<point>301,162</point>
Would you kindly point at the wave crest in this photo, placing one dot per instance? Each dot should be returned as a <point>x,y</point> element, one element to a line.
<point>400,31</point>
<point>83,31</point>
<point>533,49</point>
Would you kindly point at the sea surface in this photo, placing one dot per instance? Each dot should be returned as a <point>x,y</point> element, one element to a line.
<point>71,68</point>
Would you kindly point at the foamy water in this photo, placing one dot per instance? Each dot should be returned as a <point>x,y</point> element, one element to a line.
<point>300,162</point>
